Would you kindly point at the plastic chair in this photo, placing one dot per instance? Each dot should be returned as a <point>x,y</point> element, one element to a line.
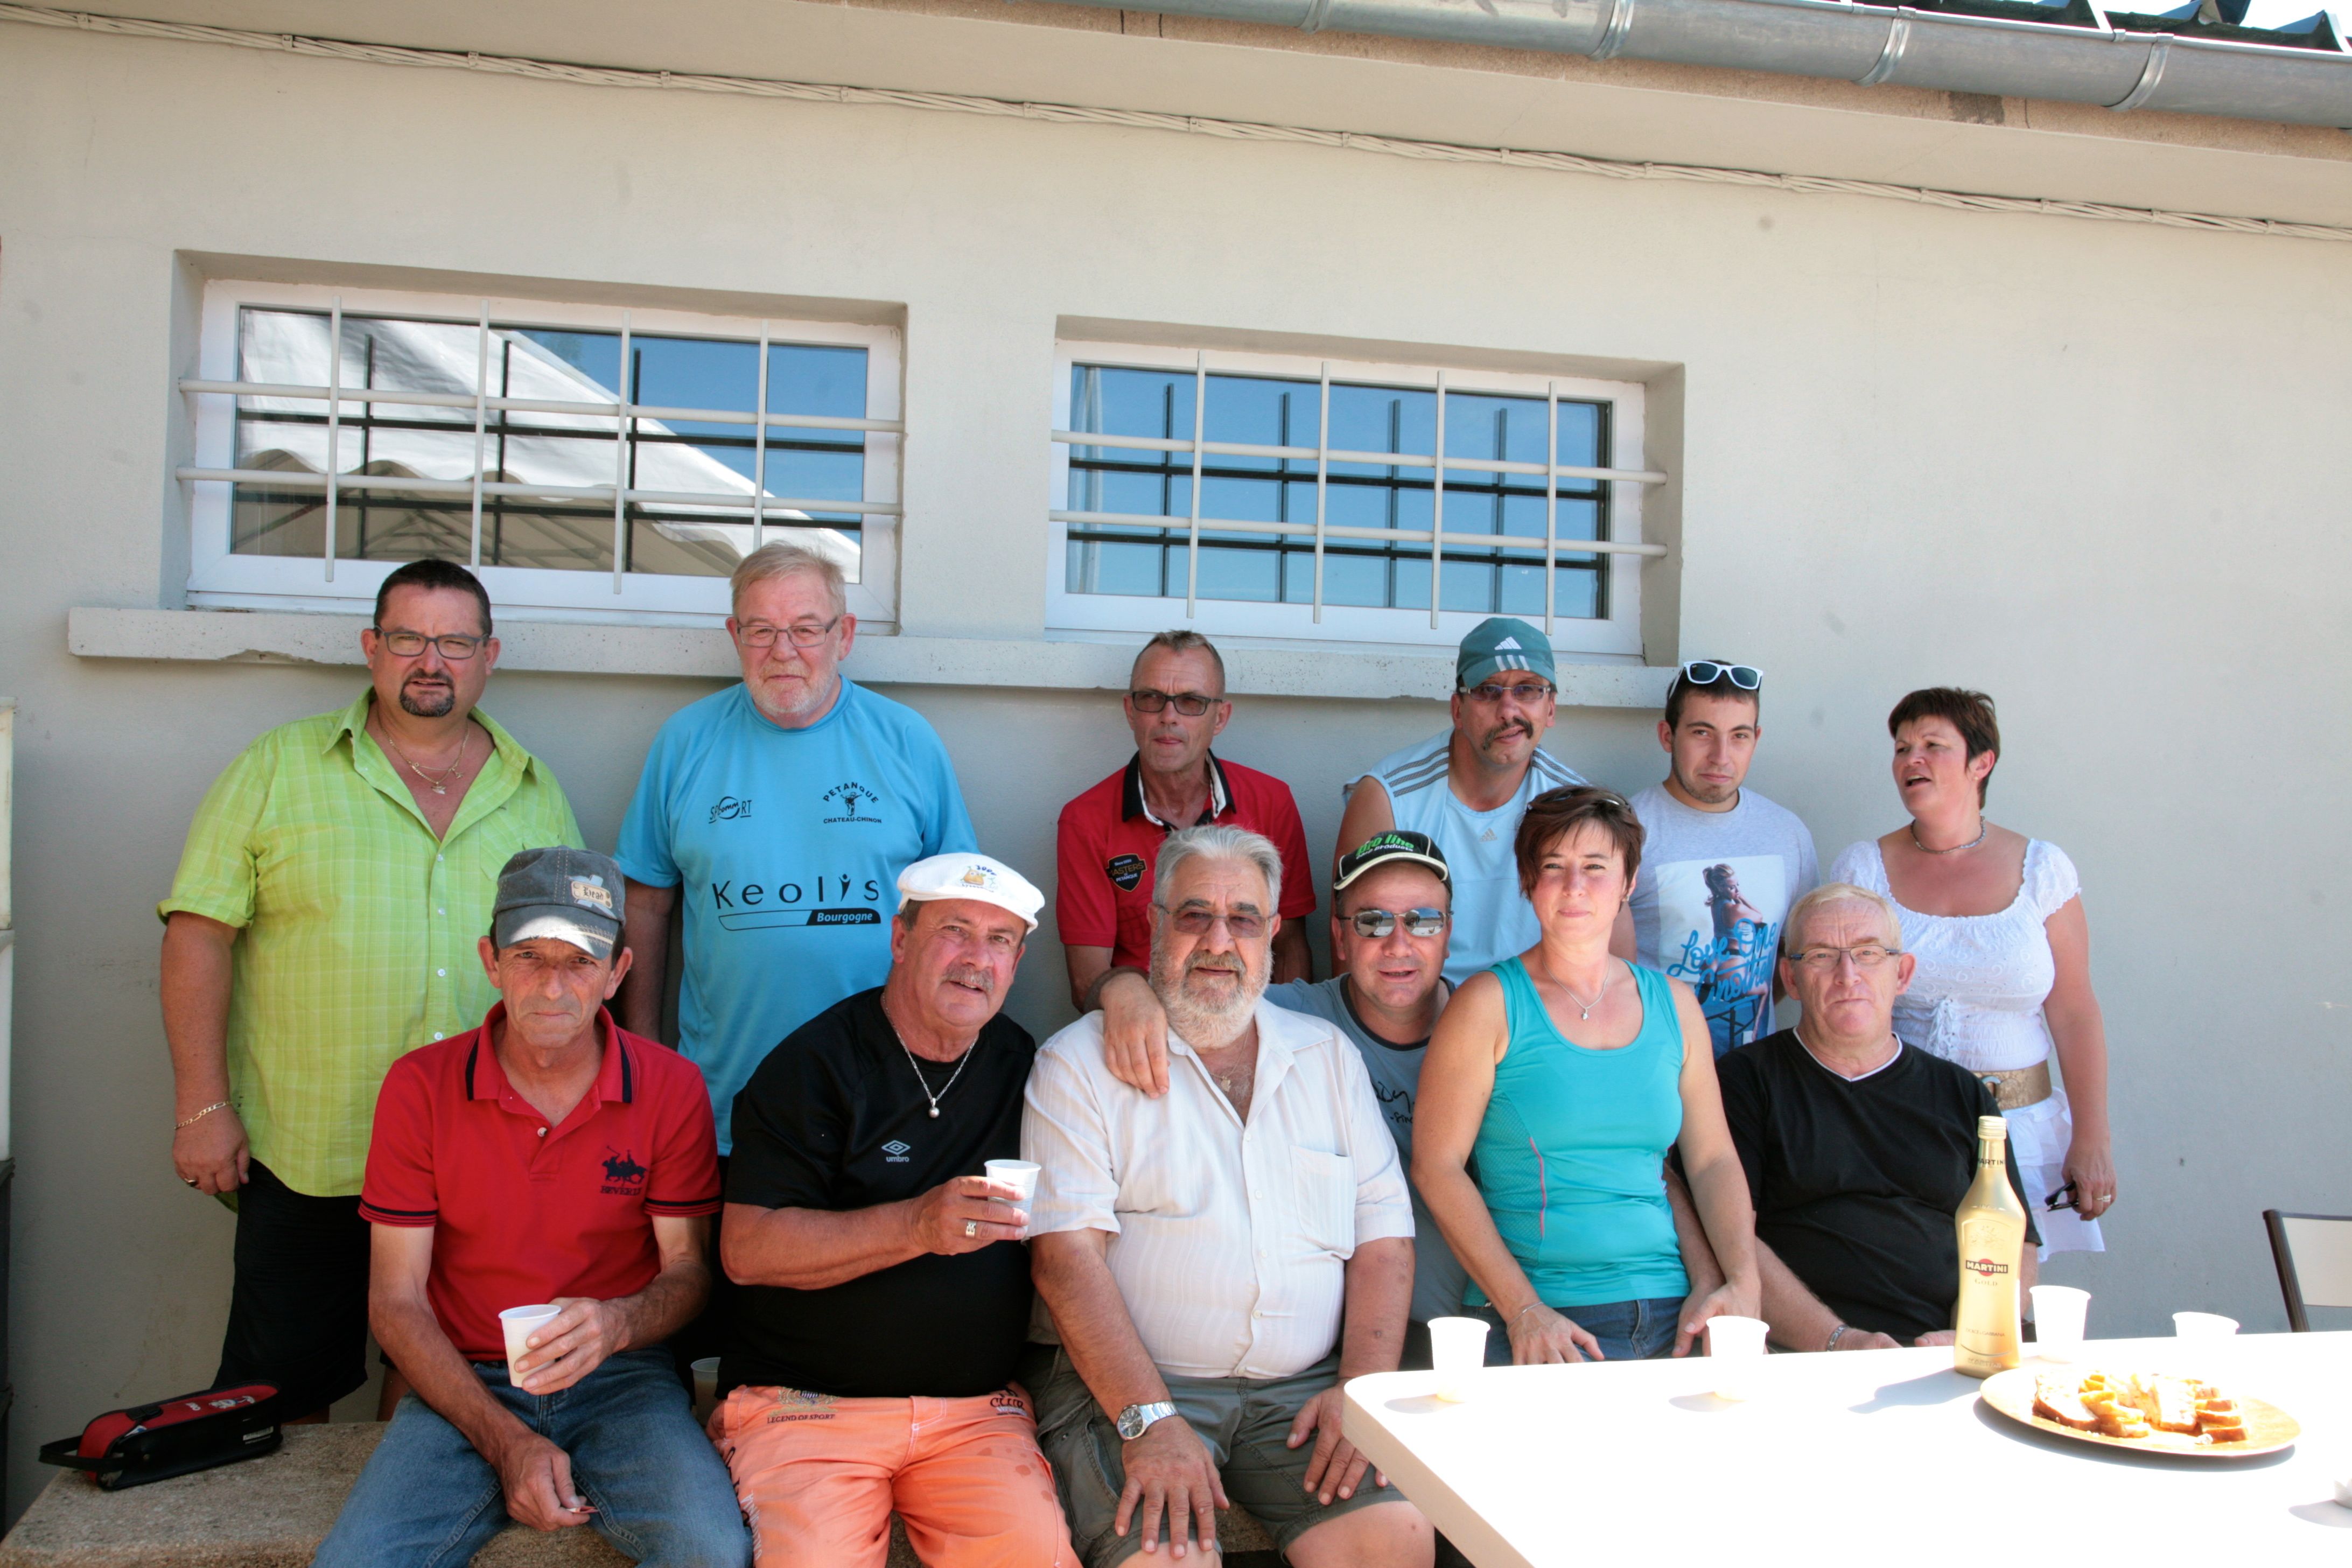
<point>2313,1253</point>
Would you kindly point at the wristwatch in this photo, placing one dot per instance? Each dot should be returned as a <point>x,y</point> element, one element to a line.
<point>1136,1419</point>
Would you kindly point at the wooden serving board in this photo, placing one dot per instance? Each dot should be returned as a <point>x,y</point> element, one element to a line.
<point>2268,1428</point>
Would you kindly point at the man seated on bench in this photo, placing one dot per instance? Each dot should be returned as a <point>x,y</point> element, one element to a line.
<point>547,1157</point>
<point>1857,1147</point>
<point>886,1291</point>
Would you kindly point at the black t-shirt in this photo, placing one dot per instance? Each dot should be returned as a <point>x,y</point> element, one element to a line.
<point>833,1120</point>
<point>1855,1183</point>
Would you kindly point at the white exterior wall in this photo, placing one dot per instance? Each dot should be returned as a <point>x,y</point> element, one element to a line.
<point>2092,469</point>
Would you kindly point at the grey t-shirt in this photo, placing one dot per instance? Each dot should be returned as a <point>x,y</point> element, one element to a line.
<point>1437,1279</point>
<point>1713,891</point>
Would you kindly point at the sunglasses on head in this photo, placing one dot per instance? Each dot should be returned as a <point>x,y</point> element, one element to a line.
<point>1707,671</point>
<point>1380,923</point>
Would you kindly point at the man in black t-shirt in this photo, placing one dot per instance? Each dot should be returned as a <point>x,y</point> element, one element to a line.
<point>887,1294</point>
<point>1858,1149</point>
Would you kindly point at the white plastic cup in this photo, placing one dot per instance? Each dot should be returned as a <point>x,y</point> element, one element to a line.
<point>519,1323</point>
<point>1458,1350</point>
<point>706,1389</point>
<point>1738,1344</point>
<point>2058,1315</point>
<point>1021,1174</point>
<point>2203,1326</point>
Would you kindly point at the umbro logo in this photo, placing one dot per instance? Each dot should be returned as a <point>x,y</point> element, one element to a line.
<point>895,1152</point>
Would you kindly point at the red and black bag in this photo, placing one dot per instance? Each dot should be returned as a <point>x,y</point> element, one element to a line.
<point>174,1436</point>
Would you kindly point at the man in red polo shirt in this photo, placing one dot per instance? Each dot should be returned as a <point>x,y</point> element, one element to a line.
<point>547,1158</point>
<point>1110,836</point>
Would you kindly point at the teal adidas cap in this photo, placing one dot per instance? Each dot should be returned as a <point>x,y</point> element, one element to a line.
<point>1502,642</point>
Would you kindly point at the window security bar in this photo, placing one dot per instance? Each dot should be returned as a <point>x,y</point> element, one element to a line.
<point>624,415</point>
<point>1324,456</point>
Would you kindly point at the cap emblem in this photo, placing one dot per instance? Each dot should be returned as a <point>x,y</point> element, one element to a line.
<point>977,875</point>
<point>1511,643</point>
<point>592,890</point>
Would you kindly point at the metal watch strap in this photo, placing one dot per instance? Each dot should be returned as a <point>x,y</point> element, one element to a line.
<point>1136,1419</point>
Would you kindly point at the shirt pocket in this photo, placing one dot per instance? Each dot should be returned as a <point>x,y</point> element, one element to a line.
<point>1326,1201</point>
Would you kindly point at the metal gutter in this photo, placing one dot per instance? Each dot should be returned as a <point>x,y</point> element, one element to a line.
<point>2074,53</point>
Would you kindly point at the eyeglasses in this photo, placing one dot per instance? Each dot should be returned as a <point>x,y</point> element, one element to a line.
<point>1525,691</point>
<point>408,644</point>
<point>1197,922</point>
<point>1191,704</point>
<point>1824,960</point>
<point>759,634</point>
<point>1707,671</point>
<point>1379,922</point>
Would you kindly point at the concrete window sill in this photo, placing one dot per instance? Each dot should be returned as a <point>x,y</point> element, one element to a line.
<point>231,637</point>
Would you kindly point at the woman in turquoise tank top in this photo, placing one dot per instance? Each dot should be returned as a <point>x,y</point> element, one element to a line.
<point>1563,1077</point>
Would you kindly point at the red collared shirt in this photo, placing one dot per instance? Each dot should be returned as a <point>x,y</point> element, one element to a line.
<point>523,1212</point>
<point>1108,841</point>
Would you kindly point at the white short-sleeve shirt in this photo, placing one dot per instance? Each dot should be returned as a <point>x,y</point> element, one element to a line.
<point>1229,1242</point>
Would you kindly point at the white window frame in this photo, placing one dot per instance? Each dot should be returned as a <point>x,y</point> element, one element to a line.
<point>1263,621</point>
<point>220,578</point>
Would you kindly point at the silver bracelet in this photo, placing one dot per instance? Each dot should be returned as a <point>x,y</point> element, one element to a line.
<point>1836,1334</point>
<point>199,1116</point>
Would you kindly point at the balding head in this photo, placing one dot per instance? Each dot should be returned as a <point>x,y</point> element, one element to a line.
<point>1885,923</point>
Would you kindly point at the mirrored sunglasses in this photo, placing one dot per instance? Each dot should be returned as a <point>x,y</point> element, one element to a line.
<point>1380,923</point>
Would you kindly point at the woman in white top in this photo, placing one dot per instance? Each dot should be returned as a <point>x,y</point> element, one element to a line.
<point>2004,958</point>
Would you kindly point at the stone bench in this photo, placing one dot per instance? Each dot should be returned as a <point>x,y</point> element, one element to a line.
<point>273,1512</point>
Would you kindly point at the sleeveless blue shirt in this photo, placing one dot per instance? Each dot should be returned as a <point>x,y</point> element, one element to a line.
<point>1570,1154</point>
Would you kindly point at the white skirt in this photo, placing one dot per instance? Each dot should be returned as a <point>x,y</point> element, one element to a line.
<point>2039,1133</point>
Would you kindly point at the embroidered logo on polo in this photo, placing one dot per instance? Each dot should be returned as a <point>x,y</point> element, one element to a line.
<point>1126,871</point>
<point>730,809</point>
<point>623,1177</point>
<point>850,799</point>
<point>819,901</point>
<point>894,1152</point>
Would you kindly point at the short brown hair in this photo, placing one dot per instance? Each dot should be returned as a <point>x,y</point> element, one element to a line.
<point>1556,813</point>
<point>1970,712</point>
<point>1182,640</point>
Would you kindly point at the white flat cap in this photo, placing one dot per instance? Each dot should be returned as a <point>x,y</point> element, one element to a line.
<point>970,875</point>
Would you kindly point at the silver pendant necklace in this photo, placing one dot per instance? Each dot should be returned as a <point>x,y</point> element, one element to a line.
<point>1983,827</point>
<point>1583,1008</point>
<point>919,1079</point>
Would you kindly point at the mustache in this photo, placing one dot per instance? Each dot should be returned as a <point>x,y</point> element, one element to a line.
<point>979,979</point>
<point>1216,962</point>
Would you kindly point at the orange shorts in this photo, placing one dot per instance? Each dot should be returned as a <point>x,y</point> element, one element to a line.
<point>819,1477</point>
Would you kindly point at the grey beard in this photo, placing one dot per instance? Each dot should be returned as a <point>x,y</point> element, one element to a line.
<point>1202,1026</point>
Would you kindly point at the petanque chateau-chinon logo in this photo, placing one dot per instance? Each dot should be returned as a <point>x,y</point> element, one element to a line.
<point>852,800</point>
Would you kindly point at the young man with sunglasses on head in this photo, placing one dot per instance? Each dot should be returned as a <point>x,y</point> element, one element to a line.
<point>1467,788</point>
<point>1109,838</point>
<point>324,924</point>
<point>1720,864</point>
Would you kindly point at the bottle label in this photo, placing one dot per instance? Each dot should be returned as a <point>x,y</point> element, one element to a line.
<point>1983,1266</point>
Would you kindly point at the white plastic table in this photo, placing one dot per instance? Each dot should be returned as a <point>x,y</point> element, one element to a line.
<point>1852,1457</point>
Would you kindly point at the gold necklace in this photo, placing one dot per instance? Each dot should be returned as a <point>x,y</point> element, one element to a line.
<point>441,785</point>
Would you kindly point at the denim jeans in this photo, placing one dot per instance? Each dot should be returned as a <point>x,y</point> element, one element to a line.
<point>428,1500</point>
<point>1628,1331</point>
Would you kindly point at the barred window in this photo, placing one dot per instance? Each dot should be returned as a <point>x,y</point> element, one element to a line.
<point>1296,499</point>
<point>584,458</point>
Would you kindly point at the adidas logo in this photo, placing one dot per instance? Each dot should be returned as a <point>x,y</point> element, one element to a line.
<point>1488,836</point>
<point>1510,643</point>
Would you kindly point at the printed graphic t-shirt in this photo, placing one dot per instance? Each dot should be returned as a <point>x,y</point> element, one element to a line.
<point>786,846</point>
<point>834,1120</point>
<point>1437,1278</point>
<point>1715,889</point>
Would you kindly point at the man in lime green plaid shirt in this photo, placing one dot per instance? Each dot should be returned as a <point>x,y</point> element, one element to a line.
<point>323,922</point>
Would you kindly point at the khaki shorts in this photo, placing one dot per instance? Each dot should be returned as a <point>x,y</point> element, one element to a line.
<point>1243,1421</point>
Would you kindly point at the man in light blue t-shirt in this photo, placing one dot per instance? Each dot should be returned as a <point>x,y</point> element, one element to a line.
<point>1720,865</point>
<point>781,810</point>
<point>1468,788</point>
